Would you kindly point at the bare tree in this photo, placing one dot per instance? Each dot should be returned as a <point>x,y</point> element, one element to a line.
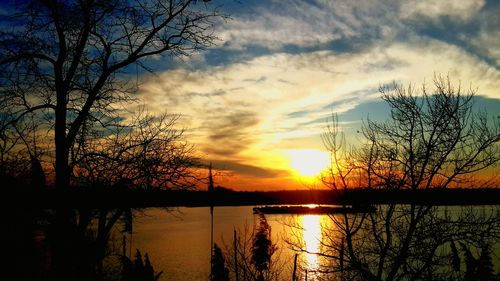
<point>67,61</point>
<point>342,165</point>
<point>67,65</point>
<point>147,152</point>
<point>432,140</point>
<point>21,152</point>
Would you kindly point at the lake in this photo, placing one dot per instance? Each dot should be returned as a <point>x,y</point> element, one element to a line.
<point>395,242</point>
<point>178,241</point>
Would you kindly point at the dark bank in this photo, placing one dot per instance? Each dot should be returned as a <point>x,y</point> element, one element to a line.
<point>226,197</point>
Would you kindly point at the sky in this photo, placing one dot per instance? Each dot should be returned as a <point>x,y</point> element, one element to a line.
<point>256,104</point>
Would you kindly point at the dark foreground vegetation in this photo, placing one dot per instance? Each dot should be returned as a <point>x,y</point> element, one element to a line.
<point>225,197</point>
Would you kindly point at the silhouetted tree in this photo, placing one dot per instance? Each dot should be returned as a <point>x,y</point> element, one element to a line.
<point>66,66</point>
<point>139,270</point>
<point>342,165</point>
<point>219,270</point>
<point>432,140</point>
<point>246,245</point>
<point>66,61</point>
<point>485,264</point>
<point>21,152</point>
<point>480,269</point>
<point>149,273</point>
<point>148,152</point>
<point>138,264</point>
<point>262,247</point>
<point>456,256</point>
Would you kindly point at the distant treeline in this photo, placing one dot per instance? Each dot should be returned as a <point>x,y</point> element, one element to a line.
<point>226,197</point>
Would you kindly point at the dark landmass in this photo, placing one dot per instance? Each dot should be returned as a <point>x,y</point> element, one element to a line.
<point>225,197</point>
<point>313,210</point>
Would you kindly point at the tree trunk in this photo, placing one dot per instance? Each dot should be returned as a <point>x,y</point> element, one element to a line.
<point>62,149</point>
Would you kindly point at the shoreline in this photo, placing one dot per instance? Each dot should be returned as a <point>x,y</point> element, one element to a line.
<point>157,198</point>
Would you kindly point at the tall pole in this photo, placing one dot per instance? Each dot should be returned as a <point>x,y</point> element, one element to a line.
<point>210,194</point>
<point>235,256</point>
<point>211,241</point>
<point>211,229</point>
<point>294,275</point>
<point>124,246</point>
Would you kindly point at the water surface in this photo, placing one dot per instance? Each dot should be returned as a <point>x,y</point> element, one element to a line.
<point>178,241</point>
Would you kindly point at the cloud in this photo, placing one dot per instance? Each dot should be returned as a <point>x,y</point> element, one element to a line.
<point>229,134</point>
<point>252,94</point>
<point>235,108</point>
<point>487,39</point>
<point>248,170</point>
<point>246,109</point>
<point>433,10</point>
<point>277,24</point>
<point>488,44</point>
<point>269,26</point>
<point>264,28</point>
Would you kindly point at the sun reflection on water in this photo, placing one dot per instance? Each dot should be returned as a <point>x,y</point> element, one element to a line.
<point>311,235</point>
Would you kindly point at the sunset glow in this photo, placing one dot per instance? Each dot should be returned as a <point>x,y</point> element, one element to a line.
<point>308,162</point>
<point>280,71</point>
<point>255,101</point>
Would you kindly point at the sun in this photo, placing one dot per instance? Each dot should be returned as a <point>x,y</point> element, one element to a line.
<point>308,162</point>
